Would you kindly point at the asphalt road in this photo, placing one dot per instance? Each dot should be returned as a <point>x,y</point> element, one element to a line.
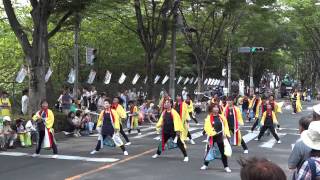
<point>79,164</point>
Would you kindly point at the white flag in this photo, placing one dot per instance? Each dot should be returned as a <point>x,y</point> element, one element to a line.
<point>145,80</point>
<point>91,77</point>
<point>107,77</point>
<point>72,76</point>
<point>135,79</point>
<point>195,81</point>
<point>89,55</point>
<point>205,81</point>
<point>179,80</point>
<point>165,79</point>
<point>122,78</point>
<point>186,81</point>
<point>156,79</point>
<point>21,75</point>
<point>191,80</point>
<point>48,75</point>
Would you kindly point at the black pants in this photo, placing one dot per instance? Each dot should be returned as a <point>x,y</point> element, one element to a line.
<point>124,134</point>
<point>193,118</point>
<point>219,140</point>
<point>189,135</point>
<point>129,131</point>
<point>294,106</point>
<point>98,147</point>
<point>40,140</point>
<point>271,129</point>
<point>243,144</point>
<point>166,137</point>
<point>255,124</point>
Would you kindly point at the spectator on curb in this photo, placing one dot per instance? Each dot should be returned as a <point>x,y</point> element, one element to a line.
<point>24,102</point>
<point>310,170</point>
<point>7,135</point>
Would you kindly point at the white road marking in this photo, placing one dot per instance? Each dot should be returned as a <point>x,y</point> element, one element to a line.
<point>135,132</point>
<point>272,141</point>
<point>250,136</point>
<point>62,157</point>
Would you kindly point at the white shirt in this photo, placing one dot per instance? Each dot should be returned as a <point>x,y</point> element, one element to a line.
<point>184,94</point>
<point>24,104</point>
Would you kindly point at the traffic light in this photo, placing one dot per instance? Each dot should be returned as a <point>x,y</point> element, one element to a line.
<point>257,49</point>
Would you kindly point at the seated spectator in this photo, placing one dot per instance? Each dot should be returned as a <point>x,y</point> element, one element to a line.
<point>151,113</point>
<point>7,135</point>
<point>31,127</point>
<point>87,122</point>
<point>300,151</point>
<point>310,169</point>
<point>24,136</point>
<point>260,169</point>
<point>76,121</point>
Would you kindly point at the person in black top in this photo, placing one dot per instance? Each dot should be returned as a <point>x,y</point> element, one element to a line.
<point>268,121</point>
<point>172,128</point>
<point>245,108</point>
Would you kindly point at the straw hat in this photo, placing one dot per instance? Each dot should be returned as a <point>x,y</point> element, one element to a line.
<point>7,118</point>
<point>311,137</point>
<point>316,109</point>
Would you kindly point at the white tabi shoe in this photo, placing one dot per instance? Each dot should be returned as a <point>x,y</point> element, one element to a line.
<point>93,152</point>
<point>246,151</point>
<point>192,141</point>
<point>35,155</point>
<point>128,144</point>
<point>125,153</point>
<point>155,156</point>
<point>227,169</point>
<point>204,167</point>
<point>279,142</point>
<point>186,159</point>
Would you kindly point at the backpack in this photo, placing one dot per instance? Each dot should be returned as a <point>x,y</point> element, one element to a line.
<point>313,168</point>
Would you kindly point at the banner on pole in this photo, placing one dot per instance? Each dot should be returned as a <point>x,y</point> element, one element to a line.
<point>191,80</point>
<point>21,74</point>
<point>165,79</point>
<point>180,79</point>
<point>186,81</point>
<point>241,87</point>
<point>107,78</point>
<point>196,81</point>
<point>90,55</point>
<point>72,76</point>
<point>156,79</point>
<point>135,79</point>
<point>145,80</point>
<point>92,76</point>
<point>122,78</point>
<point>48,75</point>
<point>205,81</point>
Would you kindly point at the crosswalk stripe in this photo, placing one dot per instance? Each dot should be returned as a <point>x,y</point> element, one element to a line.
<point>196,135</point>
<point>190,130</point>
<point>272,141</point>
<point>250,136</point>
<point>142,130</point>
<point>61,157</point>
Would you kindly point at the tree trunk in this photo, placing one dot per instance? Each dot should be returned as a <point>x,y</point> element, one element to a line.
<point>200,78</point>
<point>150,73</point>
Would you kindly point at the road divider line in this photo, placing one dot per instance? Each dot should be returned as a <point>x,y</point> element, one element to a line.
<point>110,165</point>
<point>62,157</point>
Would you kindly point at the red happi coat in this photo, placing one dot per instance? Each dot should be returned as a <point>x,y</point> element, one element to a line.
<point>237,122</point>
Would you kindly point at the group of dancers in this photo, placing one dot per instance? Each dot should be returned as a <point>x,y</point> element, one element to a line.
<point>221,125</point>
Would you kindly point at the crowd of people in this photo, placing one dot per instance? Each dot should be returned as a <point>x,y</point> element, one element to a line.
<point>94,112</point>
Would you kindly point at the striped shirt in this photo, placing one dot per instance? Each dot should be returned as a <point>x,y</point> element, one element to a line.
<point>305,171</point>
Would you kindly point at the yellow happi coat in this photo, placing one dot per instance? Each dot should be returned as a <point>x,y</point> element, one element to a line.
<point>177,122</point>
<point>237,116</point>
<point>134,119</point>
<point>49,119</point>
<point>209,129</point>
<point>185,117</point>
<point>264,115</point>
<point>114,116</point>
<point>298,102</point>
<point>251,104</point>
<point>190,107</point>
<point>120,111</point>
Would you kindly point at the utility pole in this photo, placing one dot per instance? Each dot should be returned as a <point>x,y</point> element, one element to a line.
<point>251,85</point>
<point>76,54</point>
<point>173,50</point>
<point>229,68</point>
